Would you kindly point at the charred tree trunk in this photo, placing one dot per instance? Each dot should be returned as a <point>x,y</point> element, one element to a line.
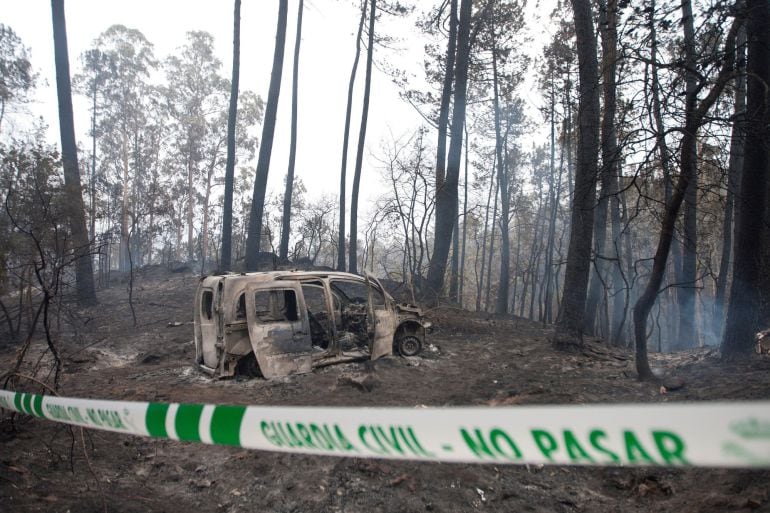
<point>346,142</point>
<point>491,254</point>
<point>744,311</point>
<point>737,146</point>
<point>480,285</point>
<point>283,251</point>
<point>686,293</point>
<point>609,149</point>
<point>446,196</point>
<point>254,236</point>
<point>647,299</point>
<point>84,276</point>
<point>353,243</point>
<point>446,96</point>
<point>227,214</point>
<point>124,239</point>
<point>570,323</point>
<point>191,193</point>
<point>455,270</point>
<point>555,195</point>
<point>501,307</point>
<point>619,285</point>
<point>663,152</point>
<point>92,188</point>
<point>465,224</point>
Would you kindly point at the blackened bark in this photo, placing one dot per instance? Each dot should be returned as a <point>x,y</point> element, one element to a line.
<point>743,314</point>
<point>480,285</point>
<point>737,143</point>
<point>663,151</point>
<point>491,253</point>
<point>232,115</point>
<point>454,274</point>
<point>283,251</point>
<point>92,191</point>
<point>353,242</point>
<point>609,149</point>
<point>554,186</point>
<point>254,236</point>
<point>446,95</point>
<point>84,276</point>
<point>465,223</point>
<point>346,142</point>
<point>570,322</point>
<point>647,299</point>
<point>686,292</point>
<point>446,196</point>
<point>501,306</point>
<point>619,302</point>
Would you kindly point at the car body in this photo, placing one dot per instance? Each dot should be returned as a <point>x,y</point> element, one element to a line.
<point>288,322</point>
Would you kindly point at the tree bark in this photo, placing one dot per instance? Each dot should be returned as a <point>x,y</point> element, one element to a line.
<point>254,236</point>
<point>84,277</point>
<point>686,292</point>
<point>737,146</point>
<point>491,253</point>
<point>554,186</point>
<point>191,192</point>
<point>647,299</point>
<point>446,196</point>
<point>232,116</point>
<point>465,223</point>
<point>664,154</point>
<point>92,191</point>
<point>744,310</point>
<point>346,141</point>
<point>501,306</point>
<point>446,96</point>
<point>480,285</point>
<point>353,243</point>
<point>454,274</point>
<point>570,324</point>
<point>124,239</point>
<point>609,149</point>
<point>283,251</point>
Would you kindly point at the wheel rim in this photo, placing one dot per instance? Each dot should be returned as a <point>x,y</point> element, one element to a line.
<point>409,346</point>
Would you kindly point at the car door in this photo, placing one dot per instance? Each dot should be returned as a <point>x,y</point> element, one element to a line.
<point>278,328</point>
<point>385,319</point>
<point>206,327</point>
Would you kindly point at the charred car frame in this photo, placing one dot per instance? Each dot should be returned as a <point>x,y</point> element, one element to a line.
<point>288,322</point>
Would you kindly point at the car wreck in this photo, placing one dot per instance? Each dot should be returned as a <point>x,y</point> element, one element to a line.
<point>278,323</point>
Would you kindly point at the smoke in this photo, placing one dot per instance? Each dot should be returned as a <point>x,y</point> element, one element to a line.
<point>710,321</point>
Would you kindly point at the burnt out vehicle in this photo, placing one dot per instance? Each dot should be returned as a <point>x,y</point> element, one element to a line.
<point>278,323</point>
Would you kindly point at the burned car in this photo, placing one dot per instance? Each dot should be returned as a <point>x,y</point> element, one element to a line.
<point>287,322</point>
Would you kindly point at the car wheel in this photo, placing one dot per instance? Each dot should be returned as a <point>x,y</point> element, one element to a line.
<point>409,345</point>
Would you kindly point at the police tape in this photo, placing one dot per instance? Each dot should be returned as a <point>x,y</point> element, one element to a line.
<point>672,434</point>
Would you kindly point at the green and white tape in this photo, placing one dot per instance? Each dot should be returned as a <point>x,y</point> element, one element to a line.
<point>672,434</point>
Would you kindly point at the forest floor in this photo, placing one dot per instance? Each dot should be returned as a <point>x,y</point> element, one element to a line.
<point>473,361</point>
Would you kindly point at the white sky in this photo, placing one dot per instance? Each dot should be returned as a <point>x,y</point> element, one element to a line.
<point>327,52</point>
<point>328,46</point>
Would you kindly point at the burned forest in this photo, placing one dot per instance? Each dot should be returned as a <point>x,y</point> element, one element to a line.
<point>385,255</point>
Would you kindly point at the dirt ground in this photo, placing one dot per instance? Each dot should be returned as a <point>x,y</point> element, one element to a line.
<point>471,360</point>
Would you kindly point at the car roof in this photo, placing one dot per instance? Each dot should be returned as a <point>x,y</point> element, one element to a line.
<point>270,276</point>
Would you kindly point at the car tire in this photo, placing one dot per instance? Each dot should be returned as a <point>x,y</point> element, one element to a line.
<point>409,345</point>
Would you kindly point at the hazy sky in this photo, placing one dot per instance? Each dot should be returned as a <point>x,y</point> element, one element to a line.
<point>327,52</point>
<point>326,57</point>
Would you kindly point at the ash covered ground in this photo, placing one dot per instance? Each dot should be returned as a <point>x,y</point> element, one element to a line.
<point>472,360</point>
